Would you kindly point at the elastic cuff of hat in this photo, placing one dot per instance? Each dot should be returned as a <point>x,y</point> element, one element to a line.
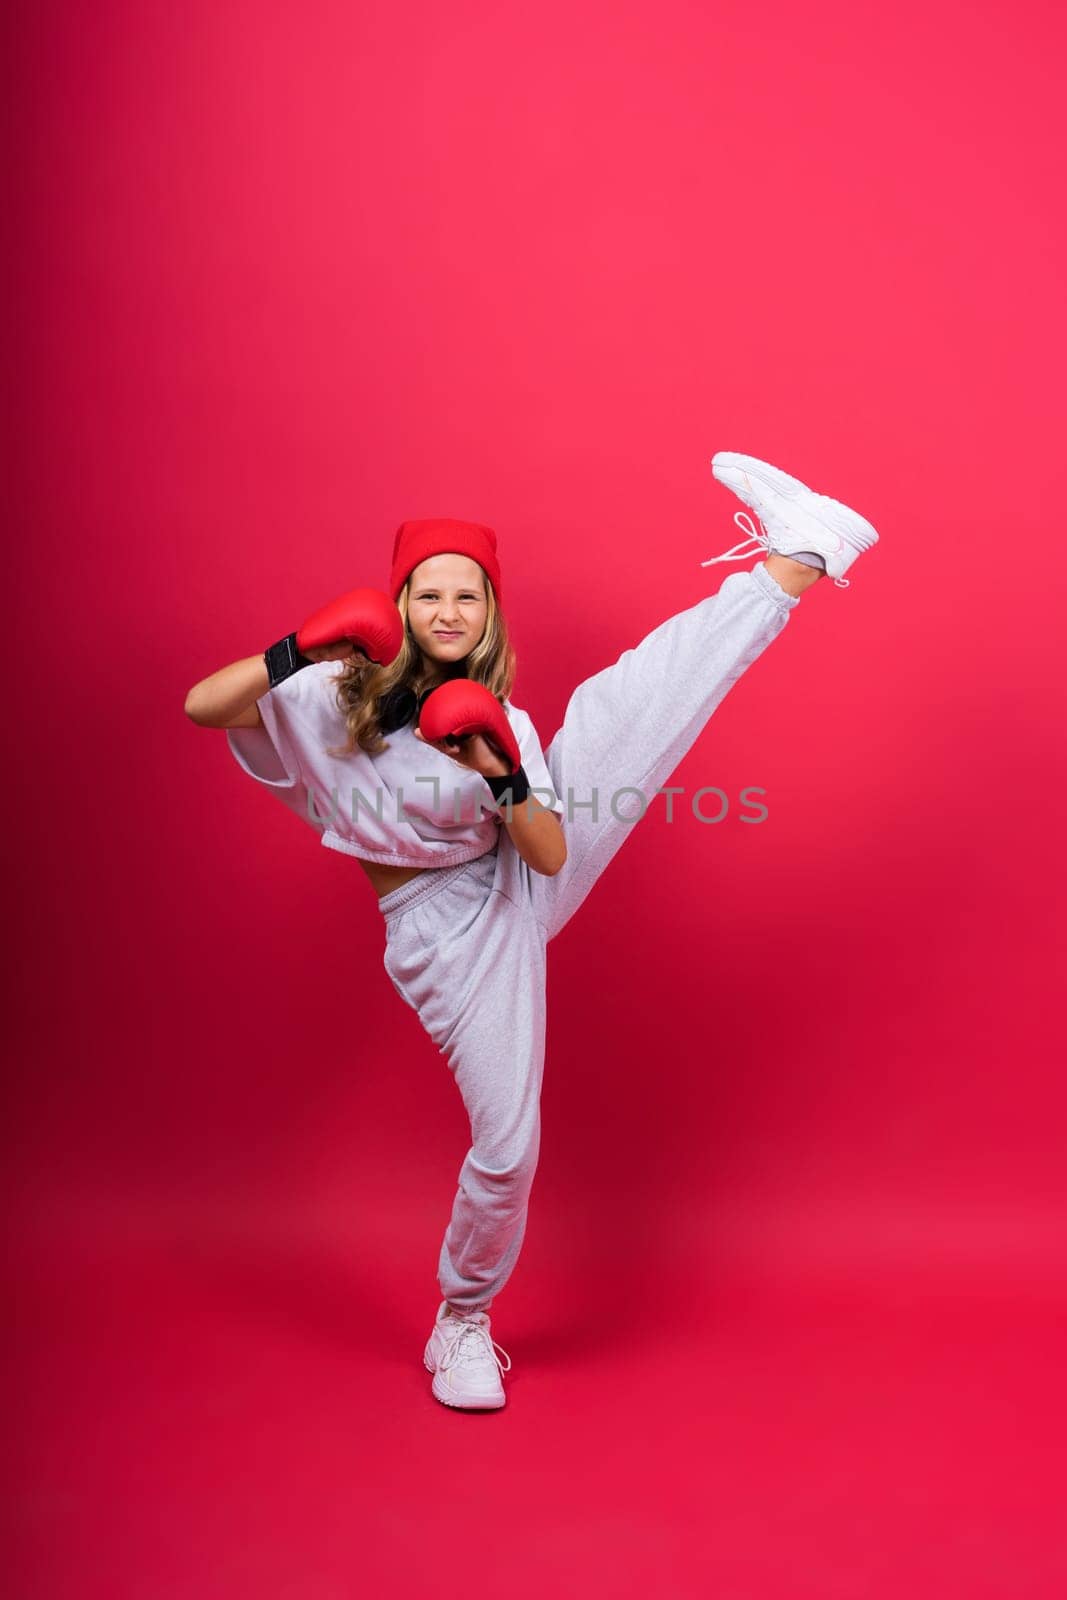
<point>283,659</point>
<point>513,787</point>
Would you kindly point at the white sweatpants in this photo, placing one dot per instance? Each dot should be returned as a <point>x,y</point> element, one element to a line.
<point>465,945</point>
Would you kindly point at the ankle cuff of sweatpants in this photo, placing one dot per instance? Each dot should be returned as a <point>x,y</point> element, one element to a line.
<point>773,589</point>
<point>469,1311</point>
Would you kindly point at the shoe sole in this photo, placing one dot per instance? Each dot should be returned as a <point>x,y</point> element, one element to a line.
<point>839,520</point>
<point>460,1405</point>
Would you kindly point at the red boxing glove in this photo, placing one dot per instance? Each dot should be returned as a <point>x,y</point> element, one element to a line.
<point>366,617</point>
<point>460,707</point>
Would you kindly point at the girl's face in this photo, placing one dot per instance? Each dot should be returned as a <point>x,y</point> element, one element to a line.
<point>447,607</point>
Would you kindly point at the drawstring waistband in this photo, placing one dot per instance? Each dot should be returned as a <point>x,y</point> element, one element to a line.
<point>429,882</point>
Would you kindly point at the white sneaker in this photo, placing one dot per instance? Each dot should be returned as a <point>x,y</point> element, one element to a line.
<point>463,1359</point>
<point>791,517</point>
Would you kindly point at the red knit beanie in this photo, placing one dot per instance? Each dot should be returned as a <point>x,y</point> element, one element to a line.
<point>418,541</point>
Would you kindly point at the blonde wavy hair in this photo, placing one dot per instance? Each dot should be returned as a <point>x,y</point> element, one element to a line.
<point>361,686</point>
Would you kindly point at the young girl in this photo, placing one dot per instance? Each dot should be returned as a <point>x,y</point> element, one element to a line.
<point>476,876</point>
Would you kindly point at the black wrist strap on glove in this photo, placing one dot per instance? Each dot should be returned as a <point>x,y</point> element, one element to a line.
<point>512,787</point>
<point>283,659</point>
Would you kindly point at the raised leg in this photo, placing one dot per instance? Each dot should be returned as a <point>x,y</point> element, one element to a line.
<point>629,726</point>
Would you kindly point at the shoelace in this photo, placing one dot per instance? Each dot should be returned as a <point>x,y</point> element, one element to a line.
<point>473,1342</point>
<point>761,541</point>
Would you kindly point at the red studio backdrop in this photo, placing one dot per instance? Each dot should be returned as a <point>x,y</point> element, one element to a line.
<point>789,1317</point>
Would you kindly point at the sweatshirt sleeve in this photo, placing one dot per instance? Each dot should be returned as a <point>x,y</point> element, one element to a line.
<point>295,727</point>
<point>533,760</point>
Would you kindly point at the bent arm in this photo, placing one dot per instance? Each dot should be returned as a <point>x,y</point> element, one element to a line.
<point>227,699</point>
<point>536,834</point>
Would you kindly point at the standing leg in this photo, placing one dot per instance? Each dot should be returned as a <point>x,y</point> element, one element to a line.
<point>471,961</point>
<point>629,726</point>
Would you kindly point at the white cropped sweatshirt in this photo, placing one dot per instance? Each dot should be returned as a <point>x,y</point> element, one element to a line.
<point>410,806</point>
